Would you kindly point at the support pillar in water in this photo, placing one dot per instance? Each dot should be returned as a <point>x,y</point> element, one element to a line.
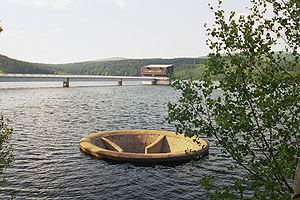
<point>120,83</point>
<point>66,83</point>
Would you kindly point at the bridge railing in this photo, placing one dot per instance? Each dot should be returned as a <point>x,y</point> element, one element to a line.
<point>68,77</point>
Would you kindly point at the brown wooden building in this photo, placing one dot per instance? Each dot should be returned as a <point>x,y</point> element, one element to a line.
<point>157,70</point>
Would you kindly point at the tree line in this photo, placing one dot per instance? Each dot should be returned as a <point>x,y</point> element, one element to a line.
<point>183,67</point>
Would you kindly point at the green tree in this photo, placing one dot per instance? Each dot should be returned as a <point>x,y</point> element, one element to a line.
<point>253,112</point>
<point>1,72</point>
<point>6,156</point>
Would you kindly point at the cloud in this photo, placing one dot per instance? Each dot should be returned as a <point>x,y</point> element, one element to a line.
<point>11,39</point>
<point>126,4</point>
<point>14,34</point>
<point>121,3</point>
<point>56,30</point>
<point>57,4</point>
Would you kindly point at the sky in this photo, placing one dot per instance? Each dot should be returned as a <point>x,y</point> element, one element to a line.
<point>64,31</point>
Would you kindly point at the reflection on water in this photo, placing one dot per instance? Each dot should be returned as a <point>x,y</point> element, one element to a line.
<point>49,122</point>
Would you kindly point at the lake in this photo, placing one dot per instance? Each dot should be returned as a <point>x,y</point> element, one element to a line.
<point>49,121</point>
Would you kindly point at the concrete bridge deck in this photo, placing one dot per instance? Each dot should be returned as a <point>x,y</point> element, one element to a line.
<point>80,76</point>
<point>67,77</point>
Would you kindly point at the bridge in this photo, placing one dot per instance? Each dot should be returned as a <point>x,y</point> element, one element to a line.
<point>146,79</point>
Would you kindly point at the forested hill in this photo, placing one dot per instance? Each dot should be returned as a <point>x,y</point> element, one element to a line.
<point>126,67</point>
<point>9,65</point>
<point>122,67</point>
<point>184,68</point>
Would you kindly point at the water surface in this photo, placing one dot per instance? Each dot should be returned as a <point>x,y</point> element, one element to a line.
<point>49,121</point>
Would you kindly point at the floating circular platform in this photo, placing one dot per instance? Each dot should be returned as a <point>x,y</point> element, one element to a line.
<point>143,146</point>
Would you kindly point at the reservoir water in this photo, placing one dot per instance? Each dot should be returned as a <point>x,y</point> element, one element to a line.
<point>49,121</point>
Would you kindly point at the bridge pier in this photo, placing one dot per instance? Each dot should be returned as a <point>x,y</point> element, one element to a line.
<point>163,82</point>
<point>120,83</point>
<point>66,83</point>
<point>157,82</point>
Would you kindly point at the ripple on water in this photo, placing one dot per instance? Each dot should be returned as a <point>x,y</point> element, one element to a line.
<point>48,124</point>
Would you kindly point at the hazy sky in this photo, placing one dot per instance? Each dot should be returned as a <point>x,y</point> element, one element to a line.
<point>61,31</point>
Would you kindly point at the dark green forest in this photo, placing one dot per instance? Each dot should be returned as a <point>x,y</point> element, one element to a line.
<point>183,67</point>
<point>9,65</point>
<point>125,67</point>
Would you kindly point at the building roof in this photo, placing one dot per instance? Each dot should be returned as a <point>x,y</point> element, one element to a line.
<point>153,66</point>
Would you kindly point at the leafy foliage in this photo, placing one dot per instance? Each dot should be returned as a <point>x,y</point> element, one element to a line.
<point>253,113</point>
<point>6,156</point>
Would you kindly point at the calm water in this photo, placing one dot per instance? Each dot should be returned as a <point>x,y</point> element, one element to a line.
<point>49,121</point>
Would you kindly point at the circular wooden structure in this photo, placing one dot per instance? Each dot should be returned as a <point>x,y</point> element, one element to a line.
<point>143,146</point>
